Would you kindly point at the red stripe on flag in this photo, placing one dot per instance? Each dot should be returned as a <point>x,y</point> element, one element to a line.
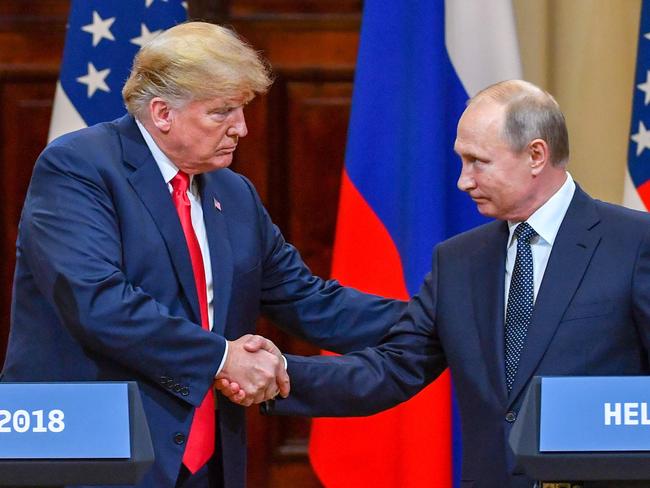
<point>385,450</point>
<point>365,256</point>
<point>644,193</point>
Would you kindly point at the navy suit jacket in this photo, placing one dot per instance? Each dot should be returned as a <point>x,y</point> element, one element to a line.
<point>591,317</point>
<point>104,289</point>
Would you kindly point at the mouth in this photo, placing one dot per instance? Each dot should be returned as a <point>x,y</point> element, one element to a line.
<point>226,150</point>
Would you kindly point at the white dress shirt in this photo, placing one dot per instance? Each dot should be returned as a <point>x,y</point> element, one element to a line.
<point>546,221</point>
<point>169,170</point>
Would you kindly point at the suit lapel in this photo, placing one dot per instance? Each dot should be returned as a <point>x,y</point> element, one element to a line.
<point>574,246</point>
<point>220,251</point>
<point>488,274</point>
<point>149,184</point>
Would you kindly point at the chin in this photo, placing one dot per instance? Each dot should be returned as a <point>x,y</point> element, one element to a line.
<point>486,210</point>
<point>217,164</point>
<point>222,164</point>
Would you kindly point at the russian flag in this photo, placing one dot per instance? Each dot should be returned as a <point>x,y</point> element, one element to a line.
<point>637,182</point>
<point>101,40</point>
<point>418,63</point>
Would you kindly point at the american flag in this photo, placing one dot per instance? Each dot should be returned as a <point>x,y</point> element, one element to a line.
<point>102,38</point>
<point>637,191</point>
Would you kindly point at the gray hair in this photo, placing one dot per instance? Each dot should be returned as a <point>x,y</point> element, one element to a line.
<point>530,113</point>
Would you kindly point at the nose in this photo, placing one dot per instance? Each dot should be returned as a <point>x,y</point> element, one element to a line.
<point>465,181</point>
<point>238,126</point>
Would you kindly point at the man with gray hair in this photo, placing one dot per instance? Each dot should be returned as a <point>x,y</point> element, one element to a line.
<point>141,257</point>
<point>558,285</point>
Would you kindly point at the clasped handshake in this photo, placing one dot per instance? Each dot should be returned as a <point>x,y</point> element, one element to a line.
<point>254,371</point>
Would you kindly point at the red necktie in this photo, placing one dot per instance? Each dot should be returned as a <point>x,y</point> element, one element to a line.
<point>200,444</point>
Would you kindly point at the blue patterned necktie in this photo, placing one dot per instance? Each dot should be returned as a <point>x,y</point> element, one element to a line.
<point>520,301</point>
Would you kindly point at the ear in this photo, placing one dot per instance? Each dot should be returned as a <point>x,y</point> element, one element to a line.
<point>539,155</point>
<point>161,114</point>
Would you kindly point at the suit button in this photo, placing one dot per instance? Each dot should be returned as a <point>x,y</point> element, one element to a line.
<point>179,438</point>
<point>511,417</point>
<point>185,391</point>
<point>177,388</point>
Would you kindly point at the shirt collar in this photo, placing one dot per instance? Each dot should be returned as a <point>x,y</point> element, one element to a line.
<point>546,220</point>
<point>167,168</point>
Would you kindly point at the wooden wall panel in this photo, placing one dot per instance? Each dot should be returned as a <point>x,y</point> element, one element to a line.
<point>318,115</point>
<point>31,43</point>
<point>31,34</point>
<point>25,118</point>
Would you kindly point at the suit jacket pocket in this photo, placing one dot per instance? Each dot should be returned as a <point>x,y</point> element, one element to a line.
<point>587,310</point>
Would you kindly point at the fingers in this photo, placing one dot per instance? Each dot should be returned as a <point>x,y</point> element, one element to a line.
<point>226,387</point>
<point>283,383</point>
<point>256,343</point>
<point>270,392</point>
<point>253,372</point>
<point>266,370</point>
<point>230,390</point>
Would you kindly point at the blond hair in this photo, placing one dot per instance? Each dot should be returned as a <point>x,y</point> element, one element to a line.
<point>195,61</point>
<point>531,113</point>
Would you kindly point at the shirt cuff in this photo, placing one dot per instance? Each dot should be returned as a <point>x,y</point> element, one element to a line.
<point>223,361</point>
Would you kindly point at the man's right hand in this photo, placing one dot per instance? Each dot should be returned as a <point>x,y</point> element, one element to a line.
<point>254,371</point>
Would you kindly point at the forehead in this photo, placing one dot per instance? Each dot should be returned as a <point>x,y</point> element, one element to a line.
<point>200,109</point>
<point>480,125</point>
<point>222,101</point>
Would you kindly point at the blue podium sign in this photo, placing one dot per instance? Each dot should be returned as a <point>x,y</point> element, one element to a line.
<point>64,421</point>
<point>581,414</point>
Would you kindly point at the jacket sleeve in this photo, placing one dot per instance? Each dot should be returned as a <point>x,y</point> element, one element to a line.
<point>362,383</point>
<point>322,312</point>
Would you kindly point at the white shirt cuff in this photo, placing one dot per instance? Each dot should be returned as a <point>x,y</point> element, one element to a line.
<point>223,360</point>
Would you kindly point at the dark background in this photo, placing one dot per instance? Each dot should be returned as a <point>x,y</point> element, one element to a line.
<point>293,153</point>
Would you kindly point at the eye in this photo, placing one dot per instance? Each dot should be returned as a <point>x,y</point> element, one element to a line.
<point>221,113</point>
<point>477,161</point>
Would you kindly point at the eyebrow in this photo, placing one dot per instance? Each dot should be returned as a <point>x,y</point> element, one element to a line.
<point>221,108</point>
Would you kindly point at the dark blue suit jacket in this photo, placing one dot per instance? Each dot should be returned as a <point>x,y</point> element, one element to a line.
<point>591,317</point>
<point>104,288</point>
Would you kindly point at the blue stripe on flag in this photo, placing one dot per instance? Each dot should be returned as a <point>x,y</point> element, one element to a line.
<point>402,131</point>
<point>406,104</point>
<point>108,54</point>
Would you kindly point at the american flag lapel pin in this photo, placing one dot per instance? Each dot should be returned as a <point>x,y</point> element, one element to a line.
<point>217,204</point>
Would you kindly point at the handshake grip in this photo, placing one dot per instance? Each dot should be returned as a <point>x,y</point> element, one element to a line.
<point>254,371</point>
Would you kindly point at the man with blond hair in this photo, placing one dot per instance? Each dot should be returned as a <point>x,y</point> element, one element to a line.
<point>140,256</point>
<point>558,285</point>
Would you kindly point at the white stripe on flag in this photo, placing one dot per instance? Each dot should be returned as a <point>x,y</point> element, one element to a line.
<point>631,197</point>
<point>65,117</point>
<point>481,40</point>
